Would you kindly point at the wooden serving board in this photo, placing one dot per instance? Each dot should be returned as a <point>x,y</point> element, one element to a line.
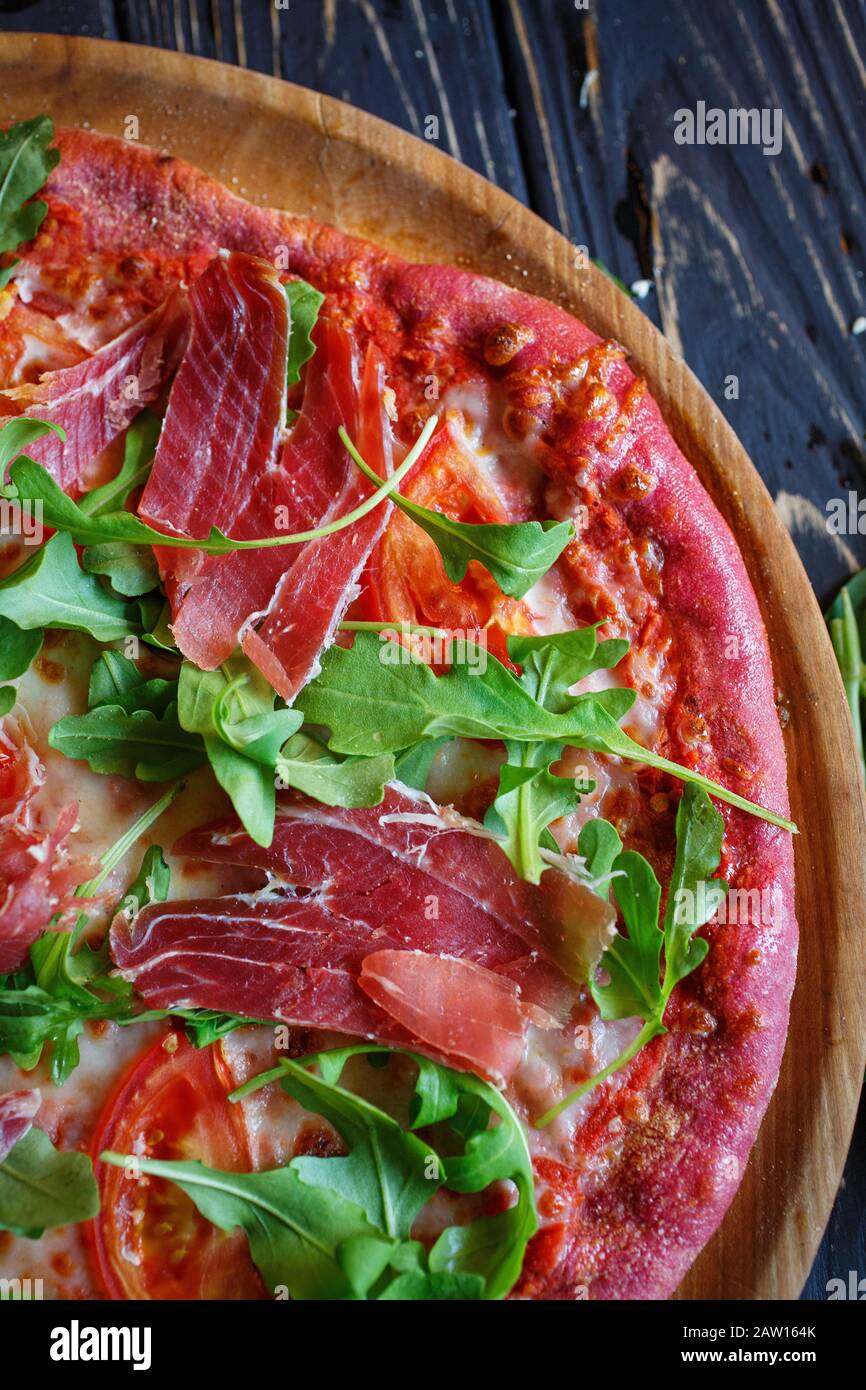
<point>285,146</point>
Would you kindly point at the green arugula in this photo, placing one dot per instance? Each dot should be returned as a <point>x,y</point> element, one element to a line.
<point>113,677</point>
<point>17,649</point>
<point>41,1186</point>
<point>32,483</point>
<point>306,764</point>
<point>131,728</point>
<point>152,883</point>
<point>340,1228</point>
<point>25,163</point>
<point>115,741</point>
<point>66,984</point>
<point>304,305</point>
<point>15,434</point>
<point>846,620</point>
<point>139,447</point>
<point>530,797</point>
<point>8,696</point>
<point>517,555</point>
<point>130,570</point>
<point>374,706</point>
<point>51,590</point>
<point>635,986</point>
<point>412,767</point>
<point>232,711</point>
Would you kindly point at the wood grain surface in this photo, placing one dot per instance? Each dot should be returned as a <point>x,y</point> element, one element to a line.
<point>296,148</point>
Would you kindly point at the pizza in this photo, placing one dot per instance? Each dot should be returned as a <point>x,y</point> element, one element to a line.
<point>396,882</point>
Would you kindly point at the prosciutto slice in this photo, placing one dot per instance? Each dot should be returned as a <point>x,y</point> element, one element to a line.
<point>37,880</point>
<point>18,1109</point>
<point>403,857</point>
<point>315,592</point>
<point>276,957</point>
<point>291,959</point>
<point>451,1006</point>
<point>37,876</point>
<point>95,400</point>
<point>222,461</point>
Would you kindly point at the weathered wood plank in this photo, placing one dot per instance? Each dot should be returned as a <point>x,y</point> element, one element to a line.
<point>758,260</point>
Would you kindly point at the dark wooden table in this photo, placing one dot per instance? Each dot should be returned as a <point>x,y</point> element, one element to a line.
<point>756,262</point>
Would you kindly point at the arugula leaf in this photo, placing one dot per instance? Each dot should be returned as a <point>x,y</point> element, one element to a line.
<point>51,590</point>
<point>412,767</point>
<point>112,676</point>
<point>206,1026</point>
<point>633,962</point>
<point>635,986</point>
<point>340,1227</point>
<point>65,985</point>
<point>306,764</point>
<point>242,751</point>
<point>152,883</point>
<point>530,796</point>
<point>847,626</point>
<point>17,649</point>
<point>33,483</point>
<point>386,1171</point>
<point>117,681</point>
<point>139,744</point>
<point>139,447</point>
<point>158,632</point>
<point>41,1186</point>
<point>381,1173</point>
<point>131,570</point>
<point>599,844</point>
<point>375,706</point>
<point>16,433</point>
<point>700,831</point>
<point>8,696</point>
<point>517,555</point>
<point>257,736</point>
<point>300,1236</point>
<point>491,1247</point>
<point>31,1017</point>
<point>550,665</point>
<point>25,163</point>
<point>304,305</point>
<point>529,799</point>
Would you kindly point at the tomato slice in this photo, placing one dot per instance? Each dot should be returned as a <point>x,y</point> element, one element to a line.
<point>149,1240</point>
<point>406,580</point>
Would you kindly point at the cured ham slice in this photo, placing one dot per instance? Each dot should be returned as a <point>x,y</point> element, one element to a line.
<point>395,901</point>
<point>221,462</point>
<point>290,959</point>
<point>95,400</point>
<point>18,1109</point>
<point>277,958</point>
<point>37,881</point>
<point>559,919</point>
<point>37,876</point>
<point>215,464</point>
<point>452,1006</point>
<point>314,594</point>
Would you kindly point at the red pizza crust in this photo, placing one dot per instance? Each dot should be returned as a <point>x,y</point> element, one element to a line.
<point>673,1140</point>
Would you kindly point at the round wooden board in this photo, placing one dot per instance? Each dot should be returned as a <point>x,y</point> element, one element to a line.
<point>288,147</point>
